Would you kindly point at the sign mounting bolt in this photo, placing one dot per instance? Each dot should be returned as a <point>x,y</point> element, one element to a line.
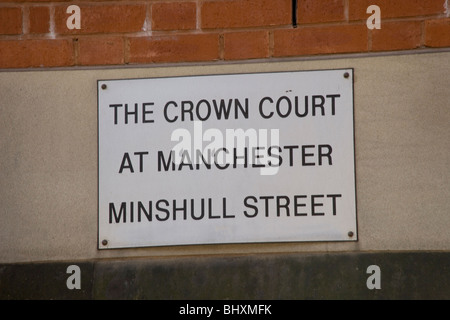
<point>346,75</point>
<point>104,86</point>
<point>350,234</point>
<point>104,242</point>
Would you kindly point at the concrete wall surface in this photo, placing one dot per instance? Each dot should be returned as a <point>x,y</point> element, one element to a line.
<point>48,159</point>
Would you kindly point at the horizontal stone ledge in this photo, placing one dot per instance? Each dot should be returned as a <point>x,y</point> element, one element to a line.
<point>399,275</point>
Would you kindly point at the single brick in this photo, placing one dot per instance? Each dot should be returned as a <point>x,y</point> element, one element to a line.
<point>320,40</point>
<point>246,45</point>
<point>39,20</point>
<point>437,33</point>
<point>314,11</point>
<point>174,15</point>
<point>36,53</point>
<point>40,1</point>
<point>10,20</point>
<point>395,8</point>
<point>400,35</point>
<point>100,51</point>
<point>103,18</point>
<point>245,13</point>
<point>176,48</point>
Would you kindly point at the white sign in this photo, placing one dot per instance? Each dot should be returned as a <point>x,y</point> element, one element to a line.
<point>265,157</point>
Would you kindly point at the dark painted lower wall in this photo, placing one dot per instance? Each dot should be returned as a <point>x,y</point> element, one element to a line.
<point>403,275</point>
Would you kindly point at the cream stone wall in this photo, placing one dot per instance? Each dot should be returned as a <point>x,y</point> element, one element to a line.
<point>48,158</point>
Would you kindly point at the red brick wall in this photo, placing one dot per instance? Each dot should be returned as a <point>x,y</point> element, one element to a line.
<point>33,33</point>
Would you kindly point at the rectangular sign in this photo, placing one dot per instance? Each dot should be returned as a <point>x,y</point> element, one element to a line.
<point>264,157</point>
